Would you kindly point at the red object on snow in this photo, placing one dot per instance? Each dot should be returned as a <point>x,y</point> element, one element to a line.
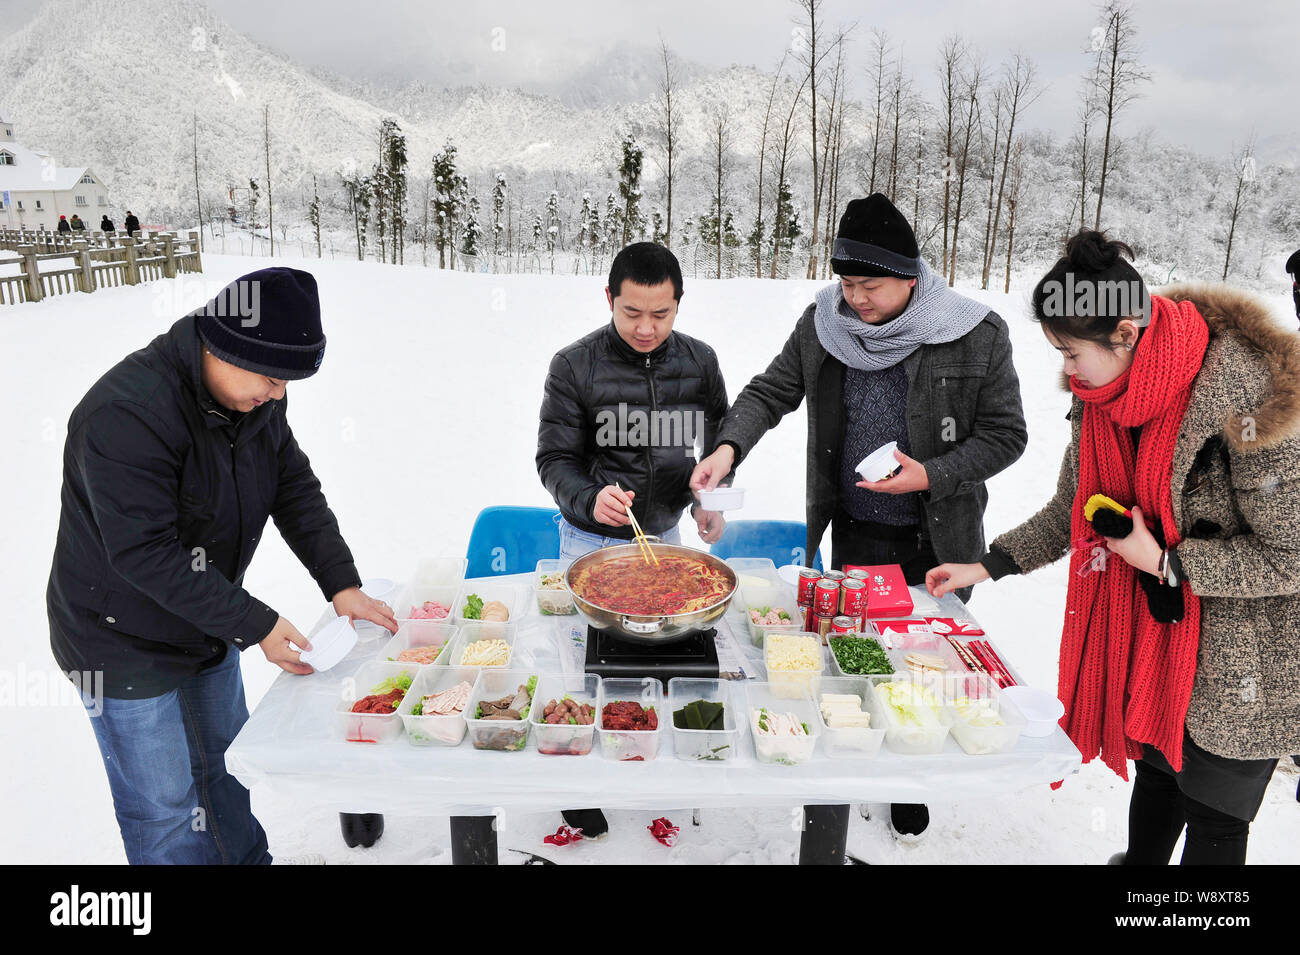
<point>563,836</point>
<point>664,831</point>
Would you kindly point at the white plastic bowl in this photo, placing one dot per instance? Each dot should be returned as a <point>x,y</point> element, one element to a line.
<point>879,464</point>
<point>1042,710</point>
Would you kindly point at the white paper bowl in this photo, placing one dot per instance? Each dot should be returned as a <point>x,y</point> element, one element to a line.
<point>331,644</point>
<point>723,499</point>
<point>1042,710</point>
<point>879,464</point>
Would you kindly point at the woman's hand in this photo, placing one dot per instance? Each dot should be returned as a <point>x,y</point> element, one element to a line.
<point>949,577</point>
<point>911,477</point>
<point>358,605</point>
<point>1139,549</point>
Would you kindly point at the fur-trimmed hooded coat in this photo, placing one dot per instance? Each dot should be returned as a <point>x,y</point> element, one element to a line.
<point>1236,497</point>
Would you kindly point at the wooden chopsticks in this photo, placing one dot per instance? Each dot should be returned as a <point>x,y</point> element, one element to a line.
<point>647,553</point>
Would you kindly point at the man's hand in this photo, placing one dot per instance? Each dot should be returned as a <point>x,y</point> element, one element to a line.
<point>358,605</point>
<point>711,524</point>
<point>911,477</point>
<point>949,577</point>
<point>713,469</point>
<point>1139,549</point>
<point>611,506</point>
<point>279,647</point>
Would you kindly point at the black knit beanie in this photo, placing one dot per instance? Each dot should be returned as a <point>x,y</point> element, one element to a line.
<point>875,239</point>
<point>267,322</point>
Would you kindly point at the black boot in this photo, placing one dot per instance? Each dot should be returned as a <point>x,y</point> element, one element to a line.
<point>361,828</point>
<point>909,820</point>
<point>591,821</point>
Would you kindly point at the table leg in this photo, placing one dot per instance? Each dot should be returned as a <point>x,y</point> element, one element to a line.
<point>361,828</point>
<point>473,840</point>
<point>825,835</point>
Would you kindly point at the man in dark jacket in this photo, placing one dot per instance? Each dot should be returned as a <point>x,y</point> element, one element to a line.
<point>77,224</point>
<point>106,224</point>
<point>889,353</point>
<point>132,224</point>
<point>174,460</point>
<point>623,410</point>
<point>64,225</point>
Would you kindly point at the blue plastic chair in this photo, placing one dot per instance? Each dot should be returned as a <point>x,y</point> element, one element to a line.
<point>784,542</point>
<point>511,540</point>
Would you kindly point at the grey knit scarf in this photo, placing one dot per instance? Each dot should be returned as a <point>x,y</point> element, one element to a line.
<point>934,314</point>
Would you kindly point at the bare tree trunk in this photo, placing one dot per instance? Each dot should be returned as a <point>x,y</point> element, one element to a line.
<point>881,44</point>
<point>270,208</point>
<point>1121,79</point>
<point>762,160</point>
<point>198,203</point>
<point>993,174</point>
<point>1021,92</point>
<point>1245,176</point>
<point>786,135</point>
<point>1013,199</point>
<point>898,112</point>
<point>972,109</point>
<point>950,59</point>
<point>667,86</point>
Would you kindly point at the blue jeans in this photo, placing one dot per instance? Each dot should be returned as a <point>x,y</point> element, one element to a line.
<point>166,763</point>
<point>574,542</point>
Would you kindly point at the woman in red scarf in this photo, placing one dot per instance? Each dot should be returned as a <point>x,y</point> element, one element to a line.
<point>1186,412</point>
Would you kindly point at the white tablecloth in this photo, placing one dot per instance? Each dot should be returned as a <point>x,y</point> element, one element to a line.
<point>292,745</point>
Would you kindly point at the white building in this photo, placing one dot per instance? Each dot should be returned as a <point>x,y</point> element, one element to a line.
<point>35,190</point>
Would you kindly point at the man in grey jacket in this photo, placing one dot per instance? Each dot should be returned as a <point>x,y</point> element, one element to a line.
<point>888,353</point>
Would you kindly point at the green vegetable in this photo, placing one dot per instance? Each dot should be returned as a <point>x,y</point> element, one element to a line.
<point>859,655</point>
<point>473,607</point>
<point>418,709</point>
<point>699,715</point>
<point>402,682</point>
<point>531,687</point>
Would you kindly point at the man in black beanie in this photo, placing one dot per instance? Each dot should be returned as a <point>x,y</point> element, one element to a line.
<point>888,353</point>
<point>173,462</point>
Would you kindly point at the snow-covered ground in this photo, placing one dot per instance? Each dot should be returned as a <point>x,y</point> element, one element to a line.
<point>424,411</point>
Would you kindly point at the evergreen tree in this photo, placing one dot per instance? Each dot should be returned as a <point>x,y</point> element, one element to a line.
<point>445,201</point>
<point>498,210</point>
<point>629,189</point>
<point>469,244</point>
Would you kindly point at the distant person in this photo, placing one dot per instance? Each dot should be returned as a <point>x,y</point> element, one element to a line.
<point>106,225</point>
<point>1293,267</point>
<point>77,224</point>
<point>132,223</point>
<point>64,226</point>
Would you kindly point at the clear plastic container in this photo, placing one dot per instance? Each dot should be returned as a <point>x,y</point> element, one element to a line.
<point>553,603</point>
<point>631,744</point>
<point>414,596</point>
<point>773,596</point>
<point>795,684</point>
<point>515,598</point>
<point>441,571</point>
<point>428,730</point>
<point>565,739</point>
<point>833,661</point>
<point>414,634</point>
<point>753,570</point>
<point>851,742</point>
<point>714,745</point>
<point>473,631</point>
<point>916,737</point>
<point>370,727</point>
<point>927,643</point>
<point>983,740</point>
<point>505,735</point>
<point>785,750</point>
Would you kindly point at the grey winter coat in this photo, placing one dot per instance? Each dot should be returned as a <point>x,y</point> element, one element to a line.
<point>1236,478</point>
<point>964,422</point>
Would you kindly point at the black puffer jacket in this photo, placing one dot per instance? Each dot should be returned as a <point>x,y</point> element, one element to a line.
<point>612,415</point>
<point>164,501</point>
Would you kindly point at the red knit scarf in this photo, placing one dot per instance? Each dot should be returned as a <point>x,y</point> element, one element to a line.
<point>1126,679</point>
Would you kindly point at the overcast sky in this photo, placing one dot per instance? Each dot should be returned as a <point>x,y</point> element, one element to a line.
<point>1236,63</point>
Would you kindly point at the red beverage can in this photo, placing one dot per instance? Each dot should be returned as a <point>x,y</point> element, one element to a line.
<point>853,597</point>
<point>844,624</point>
<point>824,626</point>
<point>809,619</point>
<point>858,574</point>
<point>826,597</point>
<point>807,584</point>
<point>833,574</point>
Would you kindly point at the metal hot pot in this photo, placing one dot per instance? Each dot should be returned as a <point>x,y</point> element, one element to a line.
<point>656,629</point>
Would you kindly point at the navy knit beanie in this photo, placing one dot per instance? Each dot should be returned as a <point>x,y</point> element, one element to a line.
<point>267,322</point>
<point>875,239</point>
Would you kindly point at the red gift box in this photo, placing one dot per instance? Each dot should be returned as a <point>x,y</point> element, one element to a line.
<point>901,627</point>
<point>887,594</point>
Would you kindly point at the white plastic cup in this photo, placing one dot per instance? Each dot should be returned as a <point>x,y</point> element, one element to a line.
<point>330,645</point>
<point>879,464</point>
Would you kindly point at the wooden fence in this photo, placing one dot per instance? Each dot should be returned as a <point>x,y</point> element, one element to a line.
<point>53,263</point>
